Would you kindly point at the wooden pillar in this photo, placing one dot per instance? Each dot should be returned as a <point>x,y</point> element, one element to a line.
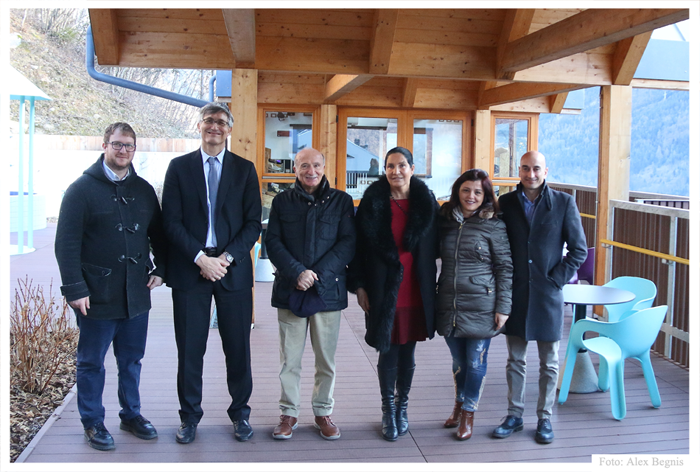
<point>613,164</point>
<point>482,142</point>
<point>244,106</point>
<point>329,138</point>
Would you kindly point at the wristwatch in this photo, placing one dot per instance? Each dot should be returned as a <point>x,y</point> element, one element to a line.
<point>229,257</point>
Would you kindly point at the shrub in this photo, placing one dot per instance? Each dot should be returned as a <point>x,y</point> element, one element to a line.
<point>41,337</point>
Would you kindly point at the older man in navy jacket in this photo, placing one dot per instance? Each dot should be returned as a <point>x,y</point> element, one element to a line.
<point>539,221</point>
<point>310,240</point>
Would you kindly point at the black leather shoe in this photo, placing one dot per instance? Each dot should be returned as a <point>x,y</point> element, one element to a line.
<point>508,427</point>
<point>186,433</point>
<point>139,427</point>
<point>99,438</point>
<point>544,434</point>
<point>242,430</point>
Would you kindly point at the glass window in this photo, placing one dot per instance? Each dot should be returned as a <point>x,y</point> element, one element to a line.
<point>510,143</point>
<point>437,154</point>
<point>368,140</point>
<point>286,133</point>
<point>269,192</point>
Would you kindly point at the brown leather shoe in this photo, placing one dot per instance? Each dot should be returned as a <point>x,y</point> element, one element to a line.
<point>328,429</point>
<point>285,428</point>
<point>453,421</point>
<point>466,421</point>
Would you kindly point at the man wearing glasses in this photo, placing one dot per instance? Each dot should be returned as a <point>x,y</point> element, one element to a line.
<point>211,214</point>
<point>109,220</point>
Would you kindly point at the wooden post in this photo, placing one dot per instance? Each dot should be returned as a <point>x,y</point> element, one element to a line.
<point>244,106</point>
<point>482,142</point>
<point>329,137</point>
<point>613,165</point>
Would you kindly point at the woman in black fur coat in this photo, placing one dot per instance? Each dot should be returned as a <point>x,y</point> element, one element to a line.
<point>393,275</point>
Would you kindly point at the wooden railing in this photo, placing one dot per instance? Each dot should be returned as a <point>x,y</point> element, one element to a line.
<point>649,240</point>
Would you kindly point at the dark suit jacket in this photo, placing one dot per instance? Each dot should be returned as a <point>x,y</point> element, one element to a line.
<point>238,210</point>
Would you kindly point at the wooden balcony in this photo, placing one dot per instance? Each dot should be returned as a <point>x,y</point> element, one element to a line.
<point>583,425</point>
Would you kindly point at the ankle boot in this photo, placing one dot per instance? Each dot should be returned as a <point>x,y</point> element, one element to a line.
<point>453,421</point>
<point>387,383</point>
<point>403,386</point>
<point>466,422</point>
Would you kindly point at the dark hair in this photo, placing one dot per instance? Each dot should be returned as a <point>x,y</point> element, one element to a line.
<point>473,175</point>
<point>124,128</point>
<point>400,150</point>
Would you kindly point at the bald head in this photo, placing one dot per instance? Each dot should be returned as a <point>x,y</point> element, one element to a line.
<point>309,166</point>
<point>533,171</point>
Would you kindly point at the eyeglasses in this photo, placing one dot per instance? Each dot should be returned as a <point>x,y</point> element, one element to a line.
<point>117,146</point>
<point>210,121</point>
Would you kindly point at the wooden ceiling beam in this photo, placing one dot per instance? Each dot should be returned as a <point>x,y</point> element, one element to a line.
<point>385,21</point>
<point>584,31</point>
<point>626,59</point>
<point>556,102</point>
<point>105,35</point>
<point>515,26</point>
<point>522,91</point>
<point>343,84</point>
<point>410,87</point>
<point>240,26</point>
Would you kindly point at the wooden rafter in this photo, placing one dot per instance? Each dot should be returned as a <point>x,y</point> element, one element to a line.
<point>586,30</point>
<point>556,102</point>
<point>342,84</point>
<point>106,42</point>
<point>515,26</point>
<point>627,55</point>
<point>385,22</point>
<point>240,26</point>
<point>410,88</point>
<point>522,91</point>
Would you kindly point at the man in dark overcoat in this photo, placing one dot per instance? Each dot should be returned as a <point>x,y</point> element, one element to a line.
<point>109,221</point>
<point>211,214</point>
<point>539,222</point>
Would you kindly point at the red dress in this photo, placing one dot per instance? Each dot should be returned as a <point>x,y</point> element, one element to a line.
<point>409,320</point>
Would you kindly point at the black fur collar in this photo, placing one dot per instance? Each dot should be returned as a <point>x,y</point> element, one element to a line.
<point>375,221</point>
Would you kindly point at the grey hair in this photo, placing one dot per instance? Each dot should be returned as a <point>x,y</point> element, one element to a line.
<point>213,108</point>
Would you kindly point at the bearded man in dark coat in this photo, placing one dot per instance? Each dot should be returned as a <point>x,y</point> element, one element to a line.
<point>109,220</point>
<point>539,221</point>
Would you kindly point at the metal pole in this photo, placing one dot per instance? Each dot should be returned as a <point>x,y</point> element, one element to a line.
<point>20,183</point>
<point>30,172</point>
<point>671,284</point>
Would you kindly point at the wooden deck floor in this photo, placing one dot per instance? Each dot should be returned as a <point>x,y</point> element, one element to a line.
<point>583,425</point>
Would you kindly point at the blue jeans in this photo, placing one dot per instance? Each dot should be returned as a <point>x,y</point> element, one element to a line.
<point>128,337</point>
<point>469,358</point>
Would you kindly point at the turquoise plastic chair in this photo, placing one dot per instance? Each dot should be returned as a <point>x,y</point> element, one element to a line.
<point>643,289</point>
<point>632,337</point>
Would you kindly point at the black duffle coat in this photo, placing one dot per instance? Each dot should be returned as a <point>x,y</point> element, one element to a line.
<point>104,236</point>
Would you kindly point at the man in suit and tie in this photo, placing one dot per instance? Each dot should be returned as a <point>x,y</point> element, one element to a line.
<point>211,214</point>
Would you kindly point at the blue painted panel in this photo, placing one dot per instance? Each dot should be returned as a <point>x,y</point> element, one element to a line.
<point>665,60</point>
<point>575,99</point>
<point>223,83</point>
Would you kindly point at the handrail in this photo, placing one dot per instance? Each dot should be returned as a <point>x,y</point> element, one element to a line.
<point>648,252</point>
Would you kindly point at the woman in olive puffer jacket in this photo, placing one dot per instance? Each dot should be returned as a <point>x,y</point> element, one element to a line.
<point>474,288</point>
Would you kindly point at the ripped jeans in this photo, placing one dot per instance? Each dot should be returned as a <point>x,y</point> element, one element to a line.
<point>468,369</point>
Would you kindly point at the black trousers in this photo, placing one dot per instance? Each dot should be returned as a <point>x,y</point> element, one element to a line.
<point>191,309</point>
